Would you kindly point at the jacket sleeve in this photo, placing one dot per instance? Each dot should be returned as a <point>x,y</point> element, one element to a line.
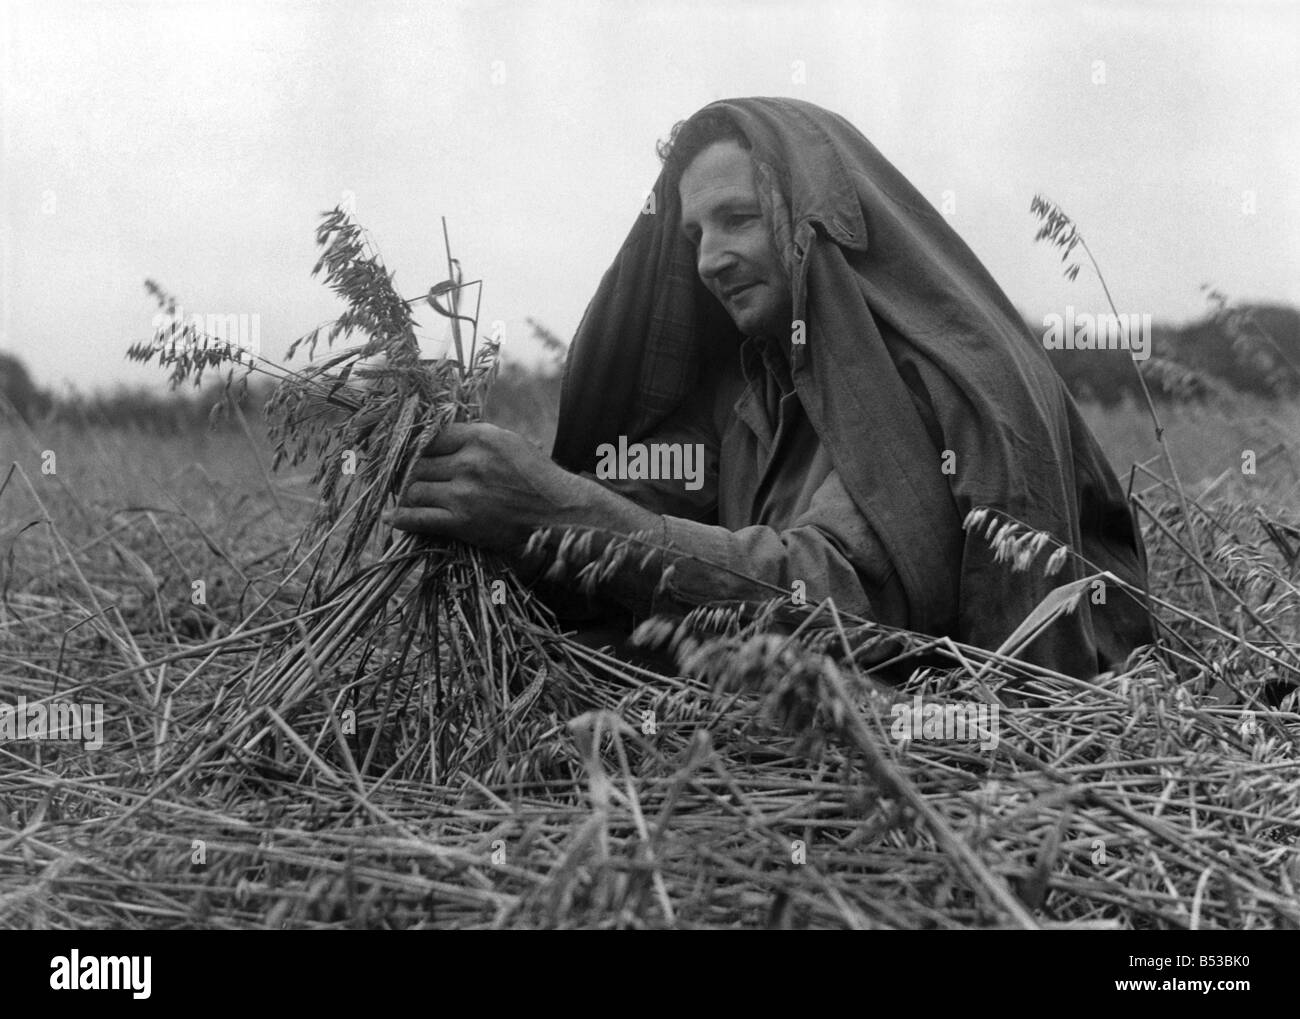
<point>829,551</point>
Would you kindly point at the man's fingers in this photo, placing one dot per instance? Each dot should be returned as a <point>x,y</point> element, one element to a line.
<point>429,520</point>
<point>433,468</point>
<point>452,437</point>
<point>428,494</point>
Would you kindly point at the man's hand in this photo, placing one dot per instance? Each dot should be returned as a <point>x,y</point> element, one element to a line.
<point>490,487</point>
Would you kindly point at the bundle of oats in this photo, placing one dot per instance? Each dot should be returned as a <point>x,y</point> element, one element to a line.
<point>402,647</point>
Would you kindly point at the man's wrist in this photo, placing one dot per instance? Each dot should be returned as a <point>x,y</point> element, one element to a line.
<point>603,508</point>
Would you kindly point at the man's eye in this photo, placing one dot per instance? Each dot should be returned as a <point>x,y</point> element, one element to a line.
<point>740,218</point>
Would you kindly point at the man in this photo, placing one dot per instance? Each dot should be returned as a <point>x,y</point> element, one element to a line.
<point>790,306</point>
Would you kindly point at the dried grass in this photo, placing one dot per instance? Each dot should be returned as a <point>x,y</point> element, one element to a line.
<point>384,736</point>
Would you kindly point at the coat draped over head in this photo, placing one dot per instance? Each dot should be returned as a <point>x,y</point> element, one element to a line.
<point>883,288</point>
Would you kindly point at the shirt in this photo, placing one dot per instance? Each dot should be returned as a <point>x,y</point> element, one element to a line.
<point>771,517</point>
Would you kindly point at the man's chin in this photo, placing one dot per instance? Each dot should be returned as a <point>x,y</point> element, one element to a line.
<point>750,321</point>
<point>757,326</point>
<point>754,318</point>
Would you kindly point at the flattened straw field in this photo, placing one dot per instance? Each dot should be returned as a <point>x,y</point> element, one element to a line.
<point>310,724</point>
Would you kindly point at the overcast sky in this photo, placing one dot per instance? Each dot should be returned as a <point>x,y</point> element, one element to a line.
<point>197,143</point>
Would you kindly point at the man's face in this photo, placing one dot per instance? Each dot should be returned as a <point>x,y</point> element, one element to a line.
<point>734,255</point>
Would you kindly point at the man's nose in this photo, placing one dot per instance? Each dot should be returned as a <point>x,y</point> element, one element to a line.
<point>714,257</point>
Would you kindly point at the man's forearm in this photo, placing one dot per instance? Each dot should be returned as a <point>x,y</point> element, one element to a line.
<point>587,503</point>
<point>756,563</point>
<point>594,505</point>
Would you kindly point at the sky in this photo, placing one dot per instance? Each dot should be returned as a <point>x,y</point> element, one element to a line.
<point>197,144</point>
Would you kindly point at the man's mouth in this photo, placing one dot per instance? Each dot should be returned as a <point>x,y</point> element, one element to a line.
<point>734,292</point>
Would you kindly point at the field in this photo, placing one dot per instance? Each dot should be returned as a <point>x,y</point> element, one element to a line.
<point>559,787</point>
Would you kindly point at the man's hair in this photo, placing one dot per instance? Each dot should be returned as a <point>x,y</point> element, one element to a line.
<point>692,136</point>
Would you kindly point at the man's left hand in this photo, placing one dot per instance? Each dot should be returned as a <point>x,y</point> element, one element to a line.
<point>487,486</point>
